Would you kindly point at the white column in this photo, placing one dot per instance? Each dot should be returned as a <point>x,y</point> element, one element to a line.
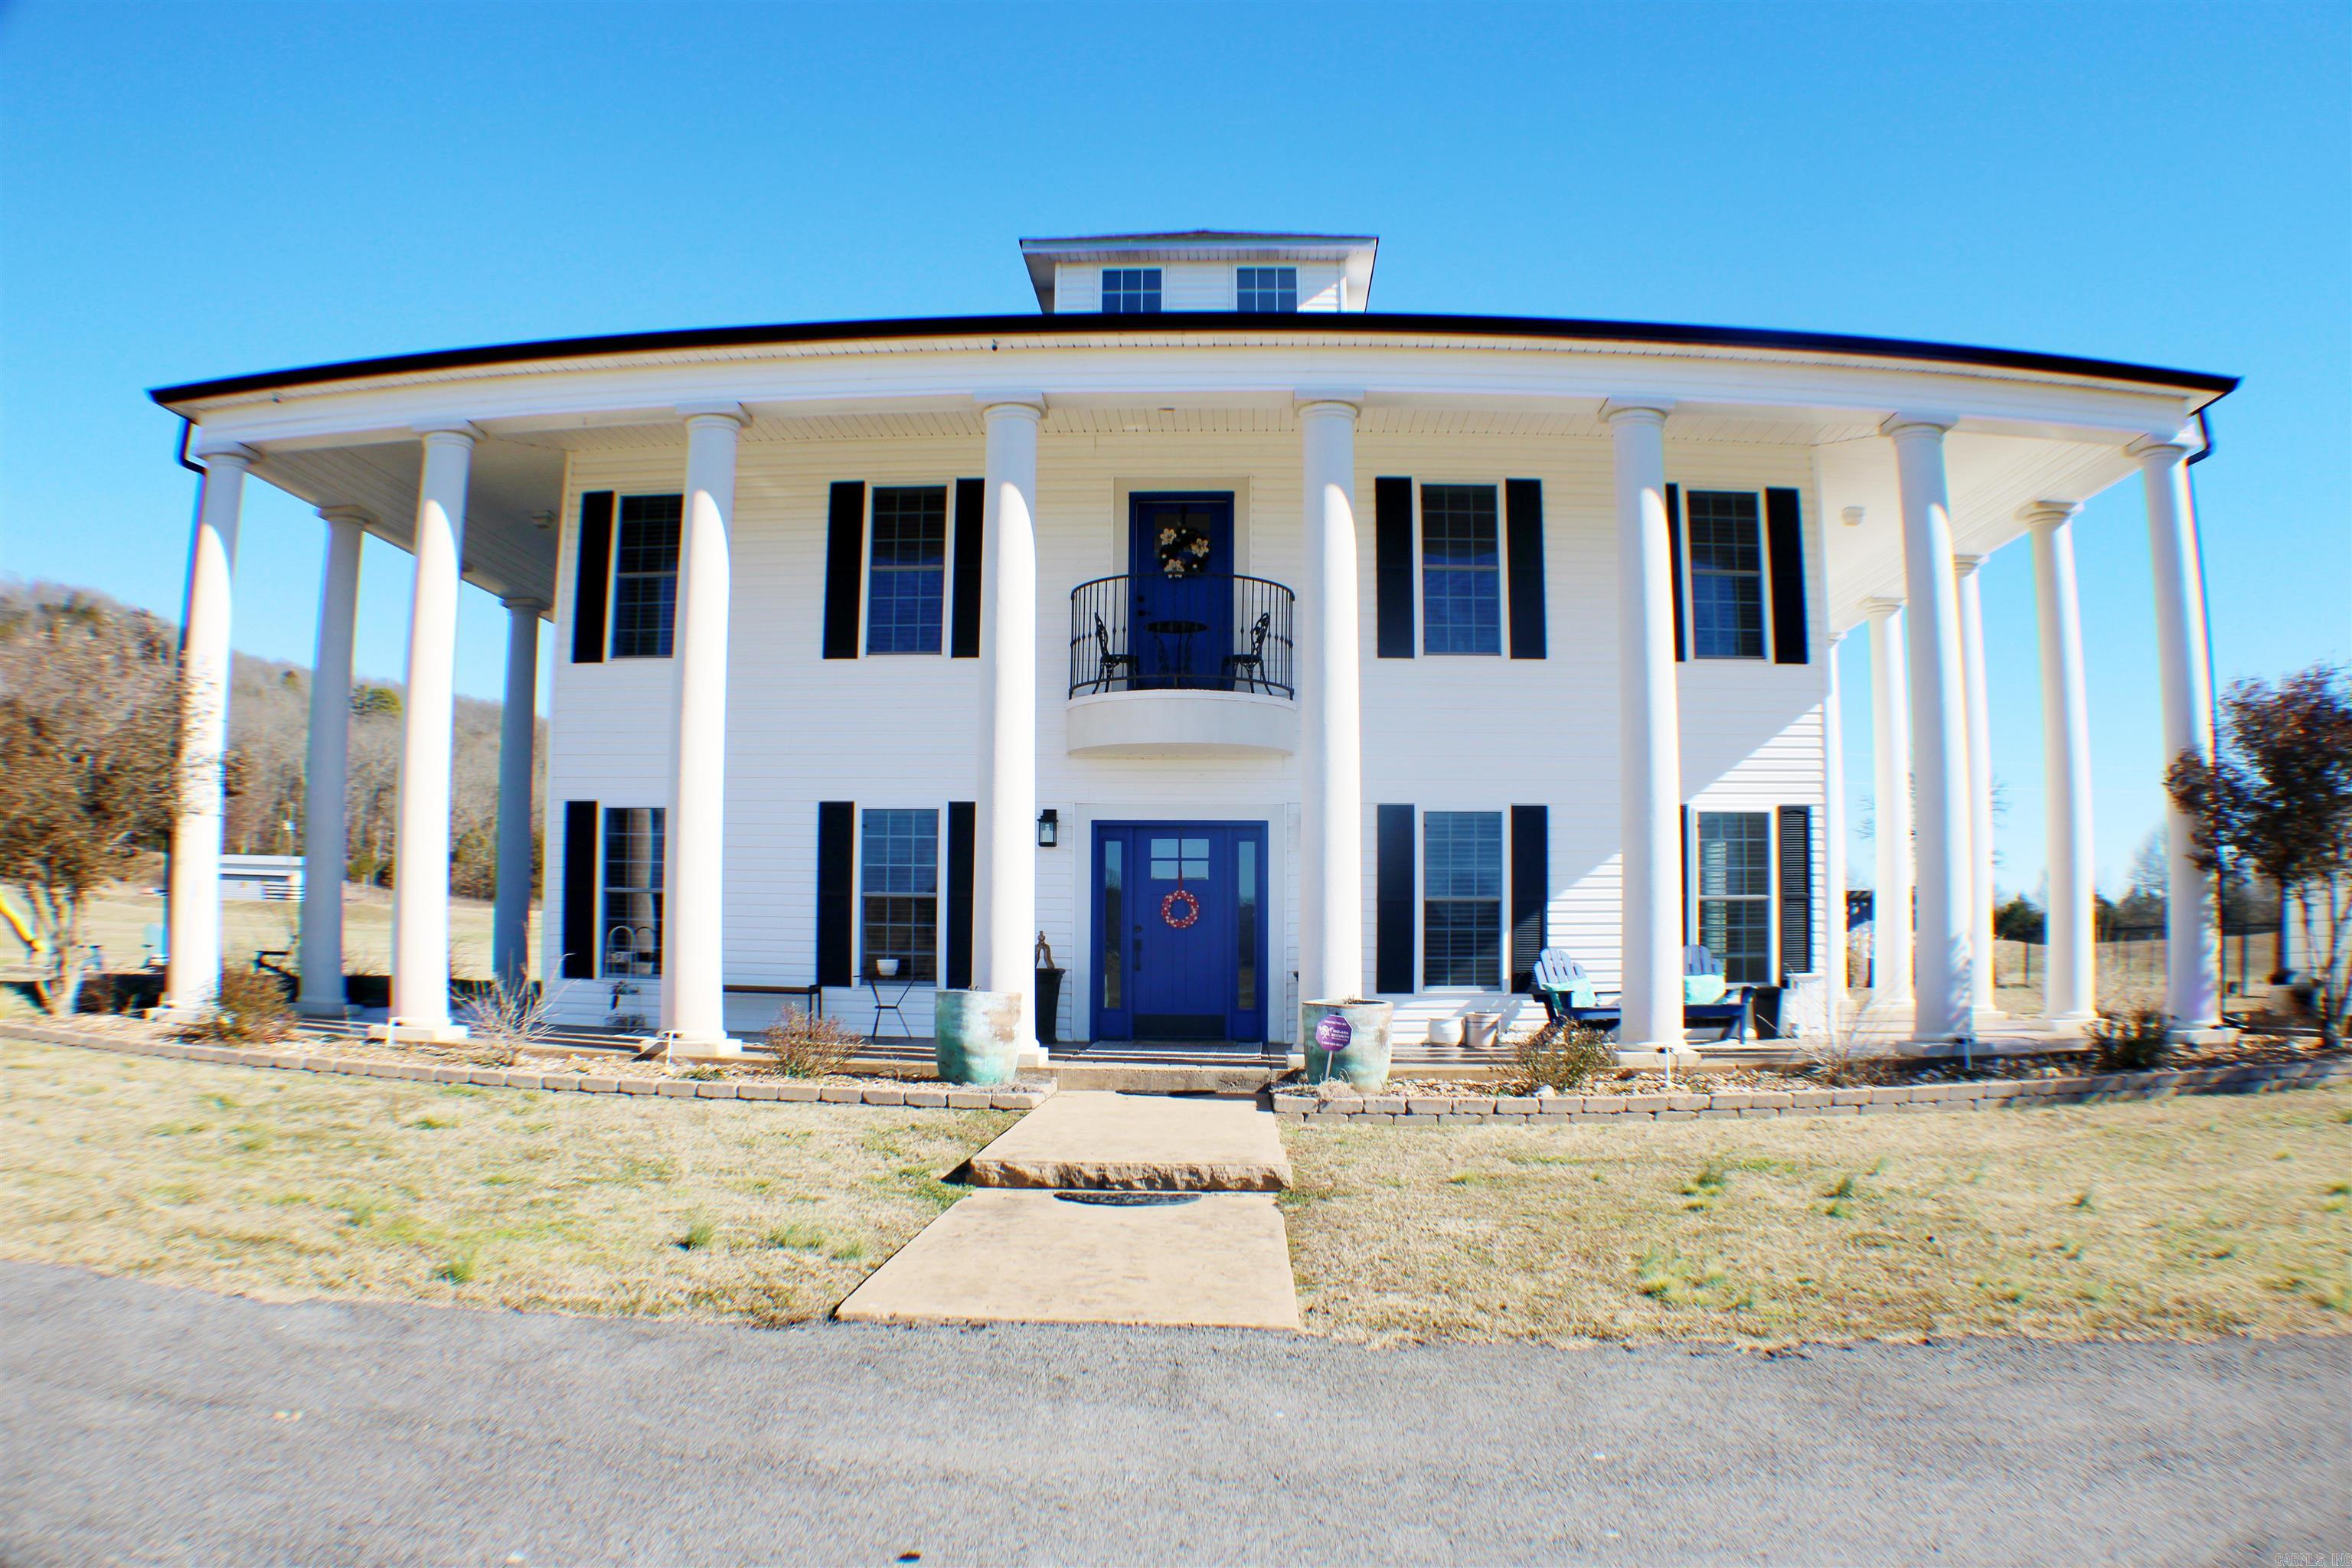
<point>1833,964</point>
<point>517,729</point>
<point>693,992</point>
<point>1003,938</point>
<point>2069,988</point>
<point>1649,735</point>
<point>192,974</point>
<point>1979,731</point>
<point>2193,990</point>
<point>1942,979</point>
<point>420,895</point>
<point>1890,747</point>
<point>326,842</point>
<point>1331,759</point>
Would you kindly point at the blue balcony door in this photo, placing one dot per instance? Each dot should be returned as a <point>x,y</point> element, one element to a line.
<point>1179,930</point>
<point>1179,566</point>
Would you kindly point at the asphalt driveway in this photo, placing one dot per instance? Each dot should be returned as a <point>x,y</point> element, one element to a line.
<point>148,1424</point>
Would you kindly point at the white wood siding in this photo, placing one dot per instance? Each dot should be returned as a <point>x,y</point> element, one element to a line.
<point>1442,733</point>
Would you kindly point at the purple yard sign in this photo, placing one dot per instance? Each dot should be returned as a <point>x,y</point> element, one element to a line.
<point>1333,1034</point>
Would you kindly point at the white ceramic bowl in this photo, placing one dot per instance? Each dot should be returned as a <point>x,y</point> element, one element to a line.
<point>888,968</point>
<point>1446,1031</point>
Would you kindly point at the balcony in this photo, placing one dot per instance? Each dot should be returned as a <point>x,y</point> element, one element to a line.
<point>1196,665</point>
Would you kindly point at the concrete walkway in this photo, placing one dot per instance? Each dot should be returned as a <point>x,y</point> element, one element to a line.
<point>1197,1259</point>
<point>154,1426</point>
<point>1164,1215</point>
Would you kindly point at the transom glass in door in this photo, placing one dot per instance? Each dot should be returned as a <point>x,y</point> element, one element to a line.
<point>1180,565</point>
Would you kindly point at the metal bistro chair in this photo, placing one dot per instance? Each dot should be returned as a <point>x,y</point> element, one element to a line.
<point>1249,668</point>
<point>1109,664</point>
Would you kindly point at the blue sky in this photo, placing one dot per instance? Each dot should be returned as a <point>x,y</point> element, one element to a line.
<point>198,190</point>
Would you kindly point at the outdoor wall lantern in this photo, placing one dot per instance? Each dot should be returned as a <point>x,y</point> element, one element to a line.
<point>1049,828</point>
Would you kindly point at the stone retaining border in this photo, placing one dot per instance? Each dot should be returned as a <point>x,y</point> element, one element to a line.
<point>286,1058</point>
<point>1984,1094</point>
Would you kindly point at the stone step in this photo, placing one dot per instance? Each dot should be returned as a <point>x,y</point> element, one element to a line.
<point>1093,1139</point>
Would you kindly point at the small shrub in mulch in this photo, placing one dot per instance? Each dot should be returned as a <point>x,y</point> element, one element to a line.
<point>1560,1058</point>
<point>806,1045</point>
<point>2128,1039</point>
<point>248,1008</point>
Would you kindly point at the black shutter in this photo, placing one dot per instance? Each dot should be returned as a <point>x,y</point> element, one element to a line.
<point>595,562</point>
<point>1784,536</point>
<point>1530,889</point>
<point>963,821</point>
<point>970,512</point>
<point>1686,854</point>
<point>1675,565</point>
<point>580,945</point>
<point>1523,546</point>
<point>845,569</point>
<point>1796,890</point>
<point>836,832</point>
<point>1393,567</point>
<point>1392,903</point>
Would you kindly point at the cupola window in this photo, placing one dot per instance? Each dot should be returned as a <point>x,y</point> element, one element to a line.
<point>1265,289</point>
<point>1131,291</point>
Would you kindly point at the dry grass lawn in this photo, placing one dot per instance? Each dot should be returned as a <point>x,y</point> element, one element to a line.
<point>284,1184</point>
<point>2197,1216</point>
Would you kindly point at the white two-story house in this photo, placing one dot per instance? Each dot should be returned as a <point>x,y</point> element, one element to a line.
<point>1246,644</point>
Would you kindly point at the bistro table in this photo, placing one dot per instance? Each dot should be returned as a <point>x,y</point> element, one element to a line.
<point>875,980</point>
<point>1181,632</point>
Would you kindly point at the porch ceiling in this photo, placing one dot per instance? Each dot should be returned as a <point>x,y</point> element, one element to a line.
<point>506,551</point>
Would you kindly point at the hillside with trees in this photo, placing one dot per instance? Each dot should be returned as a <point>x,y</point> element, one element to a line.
<point>270,719</point>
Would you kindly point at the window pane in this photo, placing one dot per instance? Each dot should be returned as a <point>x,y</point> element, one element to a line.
<point>1245,879</point>
<point>900,873</point>
<point>1461,919</point>
<point>645,575</point>
<point>1127,290</point>
<point>1734,854</point>
<point>1726,573</point>
<point>1461,576</point>
<point>1266,289</point>
<point>1114,958</point>
<point>907,587</point>
<point>1735,887</point>
<point>633,890</point>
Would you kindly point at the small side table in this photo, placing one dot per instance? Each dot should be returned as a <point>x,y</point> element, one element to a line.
<point>897,1004</point>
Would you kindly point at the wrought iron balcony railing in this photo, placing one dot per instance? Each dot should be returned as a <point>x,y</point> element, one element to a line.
<point>1210,632</point>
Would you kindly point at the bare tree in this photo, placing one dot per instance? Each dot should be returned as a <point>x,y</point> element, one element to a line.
<point>90,699</point>
<point>2277,799</point>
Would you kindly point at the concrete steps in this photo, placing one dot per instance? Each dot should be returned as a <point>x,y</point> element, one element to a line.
<point>1089,1140</point>
<point>1102,1207</point>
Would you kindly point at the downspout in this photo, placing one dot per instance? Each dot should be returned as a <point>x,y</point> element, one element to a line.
<point>187,435</point>
<point>2212,691</point>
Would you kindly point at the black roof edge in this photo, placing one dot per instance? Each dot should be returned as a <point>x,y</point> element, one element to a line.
<point>1366,321</point>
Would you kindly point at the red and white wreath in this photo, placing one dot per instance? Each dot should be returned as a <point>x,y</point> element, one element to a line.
<point>1192,907</point>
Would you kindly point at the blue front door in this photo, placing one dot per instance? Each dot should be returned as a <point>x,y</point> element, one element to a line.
<point>1179,930</point>
<point>1180,568</point>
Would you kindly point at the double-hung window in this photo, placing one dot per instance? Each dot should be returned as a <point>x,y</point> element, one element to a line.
<point>907,583</point>
<point>633,890</point>
<point>1460,570</point>
<point>1727,574</point>
<point>899,881</point>
<point>1462,915</point>
<point>1735,892</point>
<point>1131,291</point>
<point>1266,289</point>
<point>644,576</point>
